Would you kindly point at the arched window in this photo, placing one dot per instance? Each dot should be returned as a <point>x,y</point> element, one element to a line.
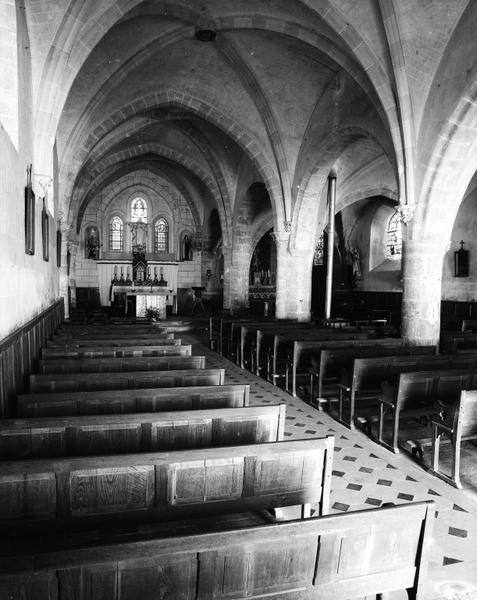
<point>139,210</point>
<point>161,235</point>
<point>394,238</point>
<point>116,234</point>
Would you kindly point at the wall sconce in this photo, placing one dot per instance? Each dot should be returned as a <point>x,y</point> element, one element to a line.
<point>208,274</point>
<point>461,262</point>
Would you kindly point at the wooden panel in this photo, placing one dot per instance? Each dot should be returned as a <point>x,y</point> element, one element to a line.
<point>98,491</point>
<point>216,479</point>
<point>37,586</point>
<point>27,495</point>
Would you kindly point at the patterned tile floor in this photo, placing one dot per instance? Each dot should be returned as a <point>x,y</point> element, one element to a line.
<point>366,475</point>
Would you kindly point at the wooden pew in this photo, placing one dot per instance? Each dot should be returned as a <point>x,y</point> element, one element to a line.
<point>283,346</point>
<point>120,365</point>
<point>364,382</point>
<point>469,325</point>
<point>70,382</point>
<point>116,335</point>
<point>144,432</point>
<point>115,351</point>
<point>425,393</point>
<point>336,364</point>
<point>104,490</point>
<point>455,342</point>
<point>250,340</point>
<point>119,401</point>
<point>365,553</point>
<point>162,340</point>
<point>307,352</point>
<point>456,424</point>
<point>230,331</point>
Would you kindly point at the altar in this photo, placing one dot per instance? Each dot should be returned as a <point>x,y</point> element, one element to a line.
<point>147,297</point>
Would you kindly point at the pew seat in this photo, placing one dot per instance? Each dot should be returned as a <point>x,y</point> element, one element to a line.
<point>76,352</point>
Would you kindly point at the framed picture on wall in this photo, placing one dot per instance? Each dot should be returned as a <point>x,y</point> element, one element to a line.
<point>59,238</point>
<point>45,232</point>
<point>29,216</point>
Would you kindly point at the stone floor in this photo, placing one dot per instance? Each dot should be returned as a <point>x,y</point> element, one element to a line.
<point>366,475</point>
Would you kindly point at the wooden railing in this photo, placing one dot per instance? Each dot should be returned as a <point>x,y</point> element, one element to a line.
<point>20,351</point>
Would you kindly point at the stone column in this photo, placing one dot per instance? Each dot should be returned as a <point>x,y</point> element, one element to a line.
<point>421,302</point>
<point>293,286</point>
<point>239,276</point>
<point>73,248</point>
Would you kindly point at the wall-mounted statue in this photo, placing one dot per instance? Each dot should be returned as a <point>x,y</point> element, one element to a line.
<point>186,250</point>
<point>92,242</point>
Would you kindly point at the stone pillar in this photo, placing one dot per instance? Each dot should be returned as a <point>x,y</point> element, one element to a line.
<point>239,276</point>
<point>293,286</point>
<point>73,248</point>
<point>421,302</point>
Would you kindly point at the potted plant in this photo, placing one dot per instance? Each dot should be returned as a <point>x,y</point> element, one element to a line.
<point>152,314</point>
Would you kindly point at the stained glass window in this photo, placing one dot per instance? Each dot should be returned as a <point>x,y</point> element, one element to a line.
<point>161,235</point>
<point>394,238</point>
<point>139,210</point>
<point>116,234</point>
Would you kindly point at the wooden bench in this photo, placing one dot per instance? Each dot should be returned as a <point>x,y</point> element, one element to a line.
<point>425,393</point>
<point>283,347</point>
<point>116,335</point>
<point>120,401</point>
<point>163,340</point>
<point>143,432</point>
<point>365,553</point>
<point>251,335</point>
<point>456,424</point>
<point>70,382</point>
<point>306,353</point>
<point>455,342</point>
<point>113,490</point>
<point>116,351</point>
<point>364,382</point>
<point>333,364</point>
<point>120,365</point>
<point>230,332</point>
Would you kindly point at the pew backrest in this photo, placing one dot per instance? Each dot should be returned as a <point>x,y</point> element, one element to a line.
<point>70,382</point>
<point>180,483</point>
<point>146,432</point>
<point>338,363</point>
<point>120,401</point>
<point>357,554</point>
<point>120,365</point>
<point>116,351</point>
<point>307,351</point>
<point>150,340</point>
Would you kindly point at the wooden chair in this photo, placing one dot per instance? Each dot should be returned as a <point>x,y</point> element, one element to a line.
<point>457,424</point>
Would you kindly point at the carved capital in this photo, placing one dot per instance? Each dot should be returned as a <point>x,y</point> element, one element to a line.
<point>287,226</point>
<point>405,212</point>
<point>42,183</point>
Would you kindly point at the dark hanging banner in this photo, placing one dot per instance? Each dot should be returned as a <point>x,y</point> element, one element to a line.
<point>29,215</point>
<point>45,232</point>
<point>59,238</point>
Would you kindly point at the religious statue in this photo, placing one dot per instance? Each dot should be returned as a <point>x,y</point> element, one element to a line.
<point>138,236</point>
<point>186,248</point>
<point>356,266</point>
<point>92,244</point>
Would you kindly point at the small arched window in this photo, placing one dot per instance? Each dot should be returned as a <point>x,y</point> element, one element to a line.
<point>394,238</point>
<point>161,235</point>
<point>139,210</point>
<point>116,234</point>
